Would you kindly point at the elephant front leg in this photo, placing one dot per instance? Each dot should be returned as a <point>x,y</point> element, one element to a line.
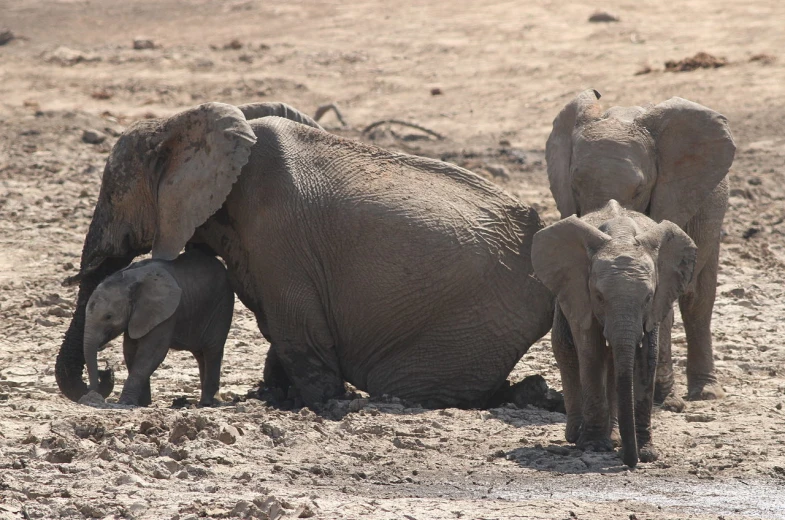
<point>146,354</point>
<point>664,393</point>
<point>567,360</point>
<point>644,382</point>
<point>593,359</point>
<point>696,309</point>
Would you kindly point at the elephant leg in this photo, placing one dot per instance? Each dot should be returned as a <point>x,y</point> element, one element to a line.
<point>593,363</point>
<point>150,351</point>
<point>696,308</point>
<point>210,374</point>
<point>274,373</point>
<point>315,379</point>
<point>567,360</point>
<point>644,382</point>
<point>664,394</point>
<point>129,354</point>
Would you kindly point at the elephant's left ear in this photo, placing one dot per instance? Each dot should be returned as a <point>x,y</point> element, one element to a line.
<point>695,150</point>
<point>200,157</point>
<point>674,253</point>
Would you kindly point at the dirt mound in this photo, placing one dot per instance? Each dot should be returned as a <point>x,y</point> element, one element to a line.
<point>702,60</point>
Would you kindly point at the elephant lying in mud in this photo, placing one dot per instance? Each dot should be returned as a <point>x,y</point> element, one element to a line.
<point>616,274</point>
<point>185,304</point>
<point>669,161</point>
<point>402,275</point>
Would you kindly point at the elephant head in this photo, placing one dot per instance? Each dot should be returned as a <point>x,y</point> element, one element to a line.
<point>662,160</point>
<point>135,301</point>
<point>608,268</point>
<point>163,179</point>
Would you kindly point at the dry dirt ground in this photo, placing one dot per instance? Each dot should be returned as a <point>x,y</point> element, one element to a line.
<point>504,69</point>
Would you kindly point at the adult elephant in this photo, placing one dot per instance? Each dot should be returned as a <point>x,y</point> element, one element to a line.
<point>400,274</point>
<point>668,161</point>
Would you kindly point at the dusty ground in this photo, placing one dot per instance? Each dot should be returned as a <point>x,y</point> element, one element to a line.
<point>504,70</point>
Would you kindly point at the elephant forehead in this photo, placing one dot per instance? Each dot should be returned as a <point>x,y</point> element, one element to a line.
<point>630,263</point>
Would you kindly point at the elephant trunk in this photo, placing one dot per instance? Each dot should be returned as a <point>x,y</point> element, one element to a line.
<point>624,349</point>
<point>71,360</point>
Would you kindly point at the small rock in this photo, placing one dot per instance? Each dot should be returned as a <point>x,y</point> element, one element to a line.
<point>304,511</point>
<point>92,398</point>
<point>436,91</point>
<point>143,43</point>
<point>6,36</point>
<point>229,434</point>
<point>91,136</point>
<point>602,16</point>
<point>44,322</point>
<point>233,45</point>
<point>699,417</point>
<point>63,456</point>
<point>161,474</point>
<point>59,312</point>
<point>497,170</point>
<point>68,266</point>
<point>68,57</point>
<point>240,508</point>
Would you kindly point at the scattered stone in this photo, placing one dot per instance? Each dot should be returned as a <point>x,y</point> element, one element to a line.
<point>61,456</point>
<point>92,398</point>
<point>750,232</point>
<point>68,57</point>
<point>91,136</point>
<point>6,36</point>
<point>763,58</point>
<point>701,60</point>
<point>643,70</point>
<point>44,322</point>
<point>699,417</point>
<point>143,43</point>
<point>228,435</point>
<point>436,91</point>
<point>603,16</point>
<point>304,511</point>
<point>59,312</point>
<point>497,170</point>
<point>101,94</point>
<point>233,45</point>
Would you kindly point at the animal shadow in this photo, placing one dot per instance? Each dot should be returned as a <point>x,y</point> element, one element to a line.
<point>566,459</point>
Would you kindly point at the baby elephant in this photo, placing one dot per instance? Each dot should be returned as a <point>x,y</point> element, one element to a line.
<point>616,274</point>
<point>183,304</point>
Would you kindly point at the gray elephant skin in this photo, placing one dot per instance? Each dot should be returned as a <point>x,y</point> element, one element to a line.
<point>399,274</point>
<point>668,161</point>
<point>616,274</point>
<point>184,304</point>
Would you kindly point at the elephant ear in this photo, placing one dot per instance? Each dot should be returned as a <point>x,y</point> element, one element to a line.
<point>558,148</point>
<point>674,253</point>
<point>561,257</point>
<point>257,110</point>
<point>695,150</point>
<point>155,296</point>
<point>201,155</point>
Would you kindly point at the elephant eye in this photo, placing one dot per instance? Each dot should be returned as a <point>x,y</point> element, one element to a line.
<point>600,298</point>
<point>648,299</point>
<point>108,317</point>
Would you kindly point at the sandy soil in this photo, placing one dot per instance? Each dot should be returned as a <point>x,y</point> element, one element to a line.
<point>504,69</point>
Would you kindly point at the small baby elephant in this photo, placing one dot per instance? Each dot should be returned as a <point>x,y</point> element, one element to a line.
<point>183,304</point>
<point>615,274</point>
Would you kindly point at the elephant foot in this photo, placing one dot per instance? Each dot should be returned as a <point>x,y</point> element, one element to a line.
<point>208,403</point>
<point>597,444</point>
<point>573,431</point>
<point>673,403</point>
<point>705,391</point>
<point>615,438</point>
<point>648,453</point>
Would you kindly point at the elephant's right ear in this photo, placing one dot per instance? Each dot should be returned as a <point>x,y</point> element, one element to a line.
<point>561,257</point>
<point>558,149</point>
<point>200,156</point>
<point>156,296</point>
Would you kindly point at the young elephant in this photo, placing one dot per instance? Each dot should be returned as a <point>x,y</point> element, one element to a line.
<point>183,304</point>
<point>615,274</point>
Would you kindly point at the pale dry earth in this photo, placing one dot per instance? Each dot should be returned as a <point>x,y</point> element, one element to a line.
<point>504,70</point>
